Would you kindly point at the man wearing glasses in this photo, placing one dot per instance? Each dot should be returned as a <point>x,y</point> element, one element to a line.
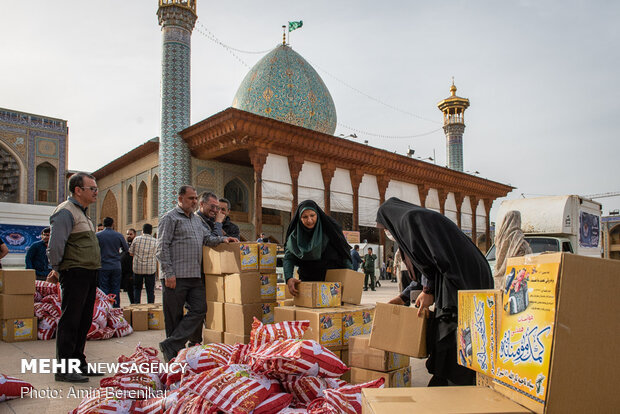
<point>73,252</point>
<point>210,213</point>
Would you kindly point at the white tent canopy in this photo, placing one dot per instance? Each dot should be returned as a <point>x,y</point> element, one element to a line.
<point>368,201</point>
<point>311,185</point>
<point>341,192</point>
<point>404,191</point>
<point>277,184</point>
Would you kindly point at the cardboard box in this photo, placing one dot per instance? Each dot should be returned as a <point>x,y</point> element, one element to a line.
<point>214,287</point>
<point>356,320</point>
<point>398,329</point>
<point>478,329</point>
<point>14,330</point>
<point>352,284</point>
<point>393,379</point>
<point>428,400</point>
<point>318,294</point>
<point>17,281</point>
<point>283,293</point>
<point>284,313</point>
<point>16,306</point>
<point>344,356</point>
<point>239,318</point>
<point>214,319</point>
<point>156,318</point>
<point>361,355</point>
<point>572,360</point>
<point>287,302</point>
<point>127,314</point>
<point>210,336</point>
<point>267,257</point>
<point>241,288</point>
<point>230,258</point>
<point>325,325</point>
<point>232,339</point>
<point>140,319</point>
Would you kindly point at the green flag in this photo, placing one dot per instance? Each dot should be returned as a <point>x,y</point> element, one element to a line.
<point>295,25</point>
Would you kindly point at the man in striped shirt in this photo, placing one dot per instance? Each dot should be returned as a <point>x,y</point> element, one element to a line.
<point>179,252</point>
<point>144,264</point>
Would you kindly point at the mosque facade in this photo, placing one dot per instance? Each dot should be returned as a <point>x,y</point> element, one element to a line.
<point>273,148</point>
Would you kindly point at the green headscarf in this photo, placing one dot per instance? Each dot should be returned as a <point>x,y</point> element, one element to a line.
<point>305,243</point>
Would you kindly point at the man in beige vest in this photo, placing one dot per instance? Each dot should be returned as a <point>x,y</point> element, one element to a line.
<point>73,252</point>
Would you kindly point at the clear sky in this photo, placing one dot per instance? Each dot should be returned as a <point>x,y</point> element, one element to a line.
<point>541,76</point>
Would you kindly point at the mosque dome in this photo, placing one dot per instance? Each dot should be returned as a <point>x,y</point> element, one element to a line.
<point>283,86</point>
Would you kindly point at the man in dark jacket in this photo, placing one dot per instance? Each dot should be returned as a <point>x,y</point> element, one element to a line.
<point>36,256</point>
<point>111,244</point>
<point>127,279</point>
<point>355,257</point>
<point>229,228</point>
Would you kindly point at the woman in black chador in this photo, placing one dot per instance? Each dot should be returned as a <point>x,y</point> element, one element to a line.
<point>448,261</point>
<point>314,243</point>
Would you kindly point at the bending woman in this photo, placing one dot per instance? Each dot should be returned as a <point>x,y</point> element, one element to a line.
<point>448,261</point>
<point>314,243</point>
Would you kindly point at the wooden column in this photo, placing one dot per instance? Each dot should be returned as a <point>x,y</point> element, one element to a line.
<point>295,163</point>
<point>382,183</point>
<point>258,157</point>
<point>423,190</point>
<point>474,205</point>
<point>487,208</point>
<point>328,170</point>
<point>356,179</point>
<point>443,195</point>
<point>458,199</point>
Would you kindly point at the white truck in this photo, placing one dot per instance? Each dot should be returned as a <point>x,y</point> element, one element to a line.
<point>568,223</point>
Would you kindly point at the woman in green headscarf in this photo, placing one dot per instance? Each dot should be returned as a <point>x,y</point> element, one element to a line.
<point>314,243</point>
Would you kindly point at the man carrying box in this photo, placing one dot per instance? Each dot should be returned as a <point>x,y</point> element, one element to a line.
<point>179,252</point>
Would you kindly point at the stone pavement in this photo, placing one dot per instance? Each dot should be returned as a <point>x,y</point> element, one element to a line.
<point>58,397</point>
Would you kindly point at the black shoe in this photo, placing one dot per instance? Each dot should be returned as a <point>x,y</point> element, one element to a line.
<point>373,290</point>
<point>165,353</point>
<point>365,289</point>
<point>90,373</point>
<point>70,377</point>
<point>378,284</point>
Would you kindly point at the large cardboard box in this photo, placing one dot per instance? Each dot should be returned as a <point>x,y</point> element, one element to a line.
<point>393,379</point>
<point>214,287</point>
<point>478,329</point>
<point>156,318</point>
<point>318,294</point>
<point>352,284</point>
<point>17,281</point>
<point>16,306</point>
<point>356,320</point>
<point>361,355</point>
<point>140,319</point>
<point>214,319</point>
<point>210,336</point>
<point>127,314</point>
<point>431,400</point>
<point>284,313</point>
<point>239,318</point>
<point>267,257</point>
<point>15,330</point>
<point>244,288</point>
<point>325,325</point>
<point>232,339</point>
<point>398,329</point>
<point>558,333</point>
<point>230,258</point>
<point>283,293</point>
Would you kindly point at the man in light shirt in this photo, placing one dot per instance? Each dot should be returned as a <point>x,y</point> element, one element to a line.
<point>143,250</point>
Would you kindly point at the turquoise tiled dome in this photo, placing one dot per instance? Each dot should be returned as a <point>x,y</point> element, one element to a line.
<point>283,86</point>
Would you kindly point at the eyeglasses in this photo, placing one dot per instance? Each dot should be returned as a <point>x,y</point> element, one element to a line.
<point>214,207</point>
<point>93,189</point>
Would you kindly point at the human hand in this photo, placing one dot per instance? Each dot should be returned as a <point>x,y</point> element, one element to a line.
<point>232,240</point>
<point>171,282</point>
<point>52,277</point>
<point>423,301</point>
<point>292,286</point>
<point>397,301</point>
<point>220,217</point>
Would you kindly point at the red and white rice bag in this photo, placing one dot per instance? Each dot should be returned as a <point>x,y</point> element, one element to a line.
<point>307,389</point>
<point>11,387</point>
<point>266,334</point>
<point>343,400</point>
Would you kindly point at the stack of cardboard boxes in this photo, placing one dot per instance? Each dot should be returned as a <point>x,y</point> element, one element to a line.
<point>368,364</point>
<point>333,309</point>
<point>144,317</point>
<point>241,284</point>
<point>17,290</point>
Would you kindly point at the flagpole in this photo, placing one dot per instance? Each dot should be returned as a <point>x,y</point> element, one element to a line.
<point>283,34</point>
